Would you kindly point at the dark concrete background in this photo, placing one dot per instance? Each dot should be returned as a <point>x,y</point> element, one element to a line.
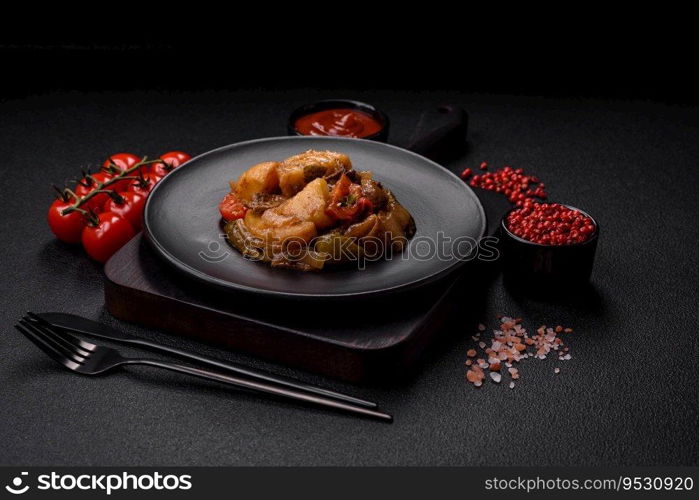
<point>628,396</point>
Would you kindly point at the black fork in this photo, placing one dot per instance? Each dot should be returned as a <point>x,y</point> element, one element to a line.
<point>91,359</point>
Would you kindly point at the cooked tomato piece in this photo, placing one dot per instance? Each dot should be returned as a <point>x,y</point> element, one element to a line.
<point>347,200</point>
<point>232,208</point>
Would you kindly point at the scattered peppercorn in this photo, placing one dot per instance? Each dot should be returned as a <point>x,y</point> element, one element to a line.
<point>466,173</point>
<point>519,188</point>
<point>550,224</point>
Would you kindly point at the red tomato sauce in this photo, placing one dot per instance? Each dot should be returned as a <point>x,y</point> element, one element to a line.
<point>343,122</point>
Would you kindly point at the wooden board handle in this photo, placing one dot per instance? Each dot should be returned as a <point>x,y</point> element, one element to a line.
<point>440,133</point>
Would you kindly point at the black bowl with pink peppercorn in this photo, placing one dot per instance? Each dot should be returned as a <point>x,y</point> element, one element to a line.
<point>548,244</point>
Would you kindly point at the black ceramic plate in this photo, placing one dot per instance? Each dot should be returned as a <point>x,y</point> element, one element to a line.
<point>181,220</point>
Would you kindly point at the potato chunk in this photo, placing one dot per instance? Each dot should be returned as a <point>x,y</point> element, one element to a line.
<point>260,178</point>
<point>299,217</point>
<point>309,204</point>
<point>274,228</point>
<point>296,171</point>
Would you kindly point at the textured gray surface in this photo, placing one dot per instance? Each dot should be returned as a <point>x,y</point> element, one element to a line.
<point>628,396</point>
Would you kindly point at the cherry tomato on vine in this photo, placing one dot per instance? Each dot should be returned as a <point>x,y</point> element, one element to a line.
<point>232,208</point>
<point>170,161</point>
<point>119,186</point>
<point>143,185</point>
<point>102,177</point>
<point>69,227</point>
<point>175,158</point>
<point>87,185</point>
<point>130,207</point>
<point>121,162</point>
<point>106,235</point>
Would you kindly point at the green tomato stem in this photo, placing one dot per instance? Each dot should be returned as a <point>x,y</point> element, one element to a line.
<point>99,186</point>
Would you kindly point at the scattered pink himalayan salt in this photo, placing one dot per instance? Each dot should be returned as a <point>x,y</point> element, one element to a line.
<point>556,370</point>
<point>510,344</point>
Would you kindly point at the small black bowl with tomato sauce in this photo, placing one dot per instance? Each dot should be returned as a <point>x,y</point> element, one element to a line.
<point>339,118</point>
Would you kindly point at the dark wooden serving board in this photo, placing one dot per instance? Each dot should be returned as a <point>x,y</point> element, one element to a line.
<point>349,344</point>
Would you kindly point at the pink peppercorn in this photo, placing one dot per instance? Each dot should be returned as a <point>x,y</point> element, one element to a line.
<point>550,224</point>
<point>520,189</point>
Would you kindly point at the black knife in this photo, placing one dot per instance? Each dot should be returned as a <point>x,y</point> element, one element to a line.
<point>86,326</point>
